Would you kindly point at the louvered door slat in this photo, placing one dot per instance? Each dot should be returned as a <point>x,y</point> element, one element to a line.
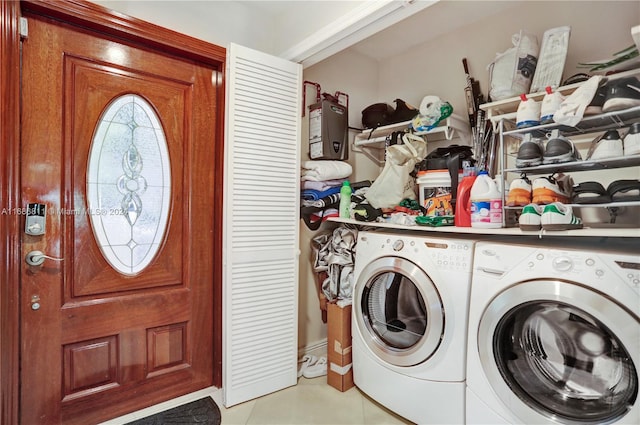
<point>260,258</point>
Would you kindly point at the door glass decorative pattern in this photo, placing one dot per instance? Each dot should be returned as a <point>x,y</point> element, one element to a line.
<point>129,184</point>
<point>565,363</point>
<point>395,310</point>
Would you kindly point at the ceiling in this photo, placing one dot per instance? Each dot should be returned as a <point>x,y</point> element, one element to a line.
<point>428,20</point>
<point>274,8</point>
<point>430,23</point>
<point>309,31</point>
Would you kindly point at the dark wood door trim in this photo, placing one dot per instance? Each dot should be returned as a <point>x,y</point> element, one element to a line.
<point>95,17</point>
<point>9,195</point>
<point>130,30</point>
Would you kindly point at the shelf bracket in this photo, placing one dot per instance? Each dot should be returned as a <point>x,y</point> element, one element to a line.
<point>613,214</point>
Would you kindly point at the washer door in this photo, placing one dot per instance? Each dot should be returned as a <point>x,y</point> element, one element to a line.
<point>568,353</point>
<point>398,311</point>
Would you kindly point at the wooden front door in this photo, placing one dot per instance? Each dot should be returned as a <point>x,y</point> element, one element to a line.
<point>119,144</point>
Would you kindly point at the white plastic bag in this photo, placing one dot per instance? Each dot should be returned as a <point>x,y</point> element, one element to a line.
<point>395,182</point>
<point>512,71</point>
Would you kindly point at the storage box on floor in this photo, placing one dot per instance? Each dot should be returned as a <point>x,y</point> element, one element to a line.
<point>340,370</point>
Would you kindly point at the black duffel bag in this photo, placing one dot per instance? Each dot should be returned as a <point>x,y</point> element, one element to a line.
<point>376,115</point>
<point>379,114</point>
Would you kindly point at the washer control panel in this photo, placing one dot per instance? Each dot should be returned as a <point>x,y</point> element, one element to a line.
<point>577,265</point>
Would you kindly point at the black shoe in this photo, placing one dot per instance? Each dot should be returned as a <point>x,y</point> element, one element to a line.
<point>622,94</point>
<point>529,153</point>
<point>559,149</point>
<point>595,107</point>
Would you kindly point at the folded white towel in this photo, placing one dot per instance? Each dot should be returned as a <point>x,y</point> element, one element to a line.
<point>325,170</point>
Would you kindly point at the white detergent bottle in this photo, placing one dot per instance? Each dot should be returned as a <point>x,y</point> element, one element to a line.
<point>486,203</point>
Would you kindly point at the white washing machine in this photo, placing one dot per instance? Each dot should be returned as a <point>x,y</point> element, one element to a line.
<point>554,336</point>
<point>409,324</point>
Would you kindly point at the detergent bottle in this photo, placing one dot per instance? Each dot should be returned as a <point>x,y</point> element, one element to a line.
<point>462,216</point>
<point>345,200</point>
<point>486,202</point>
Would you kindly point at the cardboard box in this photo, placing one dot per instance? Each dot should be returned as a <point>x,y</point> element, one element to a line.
<point>340,370</point>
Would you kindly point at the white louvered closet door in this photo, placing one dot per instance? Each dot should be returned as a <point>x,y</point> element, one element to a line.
<point>260,259</point>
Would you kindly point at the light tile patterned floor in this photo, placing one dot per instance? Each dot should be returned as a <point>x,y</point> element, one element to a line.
<point>311,402</point>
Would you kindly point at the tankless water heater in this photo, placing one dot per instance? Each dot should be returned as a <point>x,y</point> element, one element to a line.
<point>328,130</point>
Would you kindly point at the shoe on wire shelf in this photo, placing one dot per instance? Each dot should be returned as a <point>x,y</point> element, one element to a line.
<point>559,149</point>
<point>632,140</point>
<point>607,145</point>
<point>530,217</point>
<point>622,94</point>
<point>529,152</point>
<point>555,188</point>
<point>519,192</point>
<point>558,216</point>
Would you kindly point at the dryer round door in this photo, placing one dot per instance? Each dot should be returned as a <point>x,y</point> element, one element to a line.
<point>568,353</point>
<point>398,311</point>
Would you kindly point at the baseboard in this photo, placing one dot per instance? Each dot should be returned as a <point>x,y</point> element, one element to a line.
<point>318,348</point>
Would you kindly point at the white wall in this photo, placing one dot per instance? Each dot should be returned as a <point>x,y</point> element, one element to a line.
<point>217,22</point>
<point>599,28</point>
<point>355,75</point>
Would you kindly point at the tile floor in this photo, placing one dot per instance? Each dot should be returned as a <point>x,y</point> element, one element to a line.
<point>312,401</point>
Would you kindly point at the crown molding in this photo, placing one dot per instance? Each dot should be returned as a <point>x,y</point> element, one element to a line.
<point>360,23</point>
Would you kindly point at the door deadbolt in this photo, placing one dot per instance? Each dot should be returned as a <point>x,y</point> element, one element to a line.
<point>35,302</point>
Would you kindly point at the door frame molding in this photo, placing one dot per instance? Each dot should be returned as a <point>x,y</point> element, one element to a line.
<point>133,31</point>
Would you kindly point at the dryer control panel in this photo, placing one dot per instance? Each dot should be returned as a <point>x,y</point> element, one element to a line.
<point>451,255</point>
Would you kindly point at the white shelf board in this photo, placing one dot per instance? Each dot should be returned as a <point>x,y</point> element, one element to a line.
<point>445,131</point>
<point>604,231</point>
<point>506,108</point>
<point>576,166</point>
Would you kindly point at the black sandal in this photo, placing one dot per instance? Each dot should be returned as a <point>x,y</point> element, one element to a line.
<point>590,193</point>
<point>619,190</point>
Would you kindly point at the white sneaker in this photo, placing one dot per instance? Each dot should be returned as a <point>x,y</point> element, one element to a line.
<point>528,114</point>
<point>530,217</point>
<point>558,216</point>
<point>550,104</point>
<point>608,145</point>
<point>632,140</point>
<point>307,361</point>
<point>317,369</point>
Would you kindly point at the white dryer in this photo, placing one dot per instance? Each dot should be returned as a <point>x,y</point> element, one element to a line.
<point>554,336</point>
<point>410,308</point>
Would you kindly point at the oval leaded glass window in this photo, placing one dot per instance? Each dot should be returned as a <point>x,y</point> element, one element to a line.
<point>129,184</point>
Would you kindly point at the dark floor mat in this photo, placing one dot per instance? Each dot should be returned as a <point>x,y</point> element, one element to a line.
<point>202,412</point>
